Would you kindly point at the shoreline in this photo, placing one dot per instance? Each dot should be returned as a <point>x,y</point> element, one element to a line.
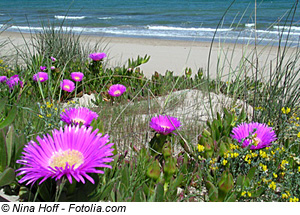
<point>172,55</point>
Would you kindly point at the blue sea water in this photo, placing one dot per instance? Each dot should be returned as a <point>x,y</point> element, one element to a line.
<point>169,19</point>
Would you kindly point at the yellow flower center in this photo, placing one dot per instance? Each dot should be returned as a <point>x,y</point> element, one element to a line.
<point>256,141</point>
<point>77,78</point>
<point>117,92</point>
<point>165,127</point>
<point>61,158</point>
<point>67,87</point>
<point>77,120</point>
<point>41,78</point>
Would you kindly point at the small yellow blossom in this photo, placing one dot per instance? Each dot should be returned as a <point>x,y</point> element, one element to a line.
<point>284,196</point>
<point>248,158</point>
<point>235,154</point>
<point>298,135</point>
<point>263,154</point>
<point>49,115</point>
<point>233,147</point>
<point>272,185</point>
<point>295,199</point>
<point>41,116</point>
<point>275,175</point>
<point>283,164</point>
<point>298,168</point>
<point>224,162</point>
<point>249,194</point>
<point>286,110</point>
<point>201,148</point>
<point>243,193</point>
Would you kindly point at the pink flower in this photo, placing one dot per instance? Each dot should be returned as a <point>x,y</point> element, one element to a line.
<point>97,56</point>
<point>3,79</point>
<point>42,68</point>
<point>67,85</point>
<point>164,124</point>
<point>116,90</point>
<point>42,76</point>
<point>255,134</point>
<point>77,76</point>
<point>53,59</point>
<point>14,80</point>
<point>71,152</point>
<point>52,67</point>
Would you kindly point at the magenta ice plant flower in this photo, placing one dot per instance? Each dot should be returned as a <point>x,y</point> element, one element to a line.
<point>43,68</point>
<point>78,115</point>
<point>116,90</point>
<point>97,56</point>
<point>67,85</point>
<point>42,76</point>
<point>164,124</point>
<point>53,59</point>
<point>72,152</point>
<point>13,81</point>
<point>3,79</point>
<point>77,76</point>
<point>255,134</point>
<point>52,67</point>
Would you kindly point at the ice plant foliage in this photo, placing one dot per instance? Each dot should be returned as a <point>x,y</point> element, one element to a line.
<point>255,134</point>
<point>67,85</point>
<point>42,76</point>
<point>72,152</point>
<point>164,124</point>
<point>78,115</point>
<point>116,90</point>
<point>97,56</point>
<point>77,76</point>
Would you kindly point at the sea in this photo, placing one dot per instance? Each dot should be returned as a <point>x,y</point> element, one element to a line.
<point>239,21</point>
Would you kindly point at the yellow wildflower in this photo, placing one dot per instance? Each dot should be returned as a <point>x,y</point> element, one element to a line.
<point>298,168</point>
<point>275,175</point>
<point>284,196</point>
<point>295,199</point>
<point>224,162</point>
<point>243,193</point>
<point>272,185</point>
<point>49,115</point>
<point>235,154</point>
<point>298,135</point>
<point>249,194</point>
<point>200,148</point>
<point>286,110</point>
<point>248,158</point>
<point>263,154</point>
<point>283,164</point>
<point>41,116</point>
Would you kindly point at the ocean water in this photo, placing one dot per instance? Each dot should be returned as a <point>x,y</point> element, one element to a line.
<point>166,19</point>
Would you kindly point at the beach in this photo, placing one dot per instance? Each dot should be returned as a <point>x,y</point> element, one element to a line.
<point>172,55</point>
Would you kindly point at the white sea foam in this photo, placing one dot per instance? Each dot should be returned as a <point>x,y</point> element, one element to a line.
<point>69,17</point>
<point>249,25</point>
<point>168,28</point>
<point>293,28</point>
<point>105,17</point>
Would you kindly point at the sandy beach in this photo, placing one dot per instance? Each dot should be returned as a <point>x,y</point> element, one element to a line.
<point>173,55</point>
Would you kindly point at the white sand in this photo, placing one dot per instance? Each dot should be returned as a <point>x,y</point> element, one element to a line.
<point>175,55</point>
